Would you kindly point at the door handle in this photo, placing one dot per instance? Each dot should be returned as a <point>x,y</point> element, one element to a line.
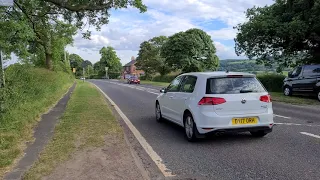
<point>170,97</point>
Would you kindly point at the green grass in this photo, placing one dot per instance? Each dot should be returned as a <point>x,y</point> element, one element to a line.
<point>29,92</point>
<point>296,100</point>
<point>161,84</point>
<point>86,123</point>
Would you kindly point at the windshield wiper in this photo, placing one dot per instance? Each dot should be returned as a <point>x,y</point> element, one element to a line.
<point>245,91</point>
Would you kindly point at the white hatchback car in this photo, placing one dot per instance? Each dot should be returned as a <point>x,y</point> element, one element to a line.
<point>216,102</point>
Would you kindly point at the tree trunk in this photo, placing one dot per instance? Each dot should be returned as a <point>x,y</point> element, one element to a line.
<point>49,61</point>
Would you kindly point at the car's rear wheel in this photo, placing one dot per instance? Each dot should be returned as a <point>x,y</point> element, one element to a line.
<point>258,133</point>
<point>159,117</point>
<point>190,128</point>
<point>318,94</point>
<point>287,91</point>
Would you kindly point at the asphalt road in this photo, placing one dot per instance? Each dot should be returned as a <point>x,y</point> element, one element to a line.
<point>291,151</point>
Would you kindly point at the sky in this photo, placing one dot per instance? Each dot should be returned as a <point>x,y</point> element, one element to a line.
<point>128,28</point>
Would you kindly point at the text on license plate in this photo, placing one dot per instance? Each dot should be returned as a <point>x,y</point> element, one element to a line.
<point>248,120</point>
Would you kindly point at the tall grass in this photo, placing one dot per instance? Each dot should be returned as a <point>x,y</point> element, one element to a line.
<point>29,92</point>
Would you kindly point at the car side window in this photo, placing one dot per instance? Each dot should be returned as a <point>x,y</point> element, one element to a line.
<point>188,84</point>
<point>296,72</point>
<point>311,70</point>
<point>175,84</point>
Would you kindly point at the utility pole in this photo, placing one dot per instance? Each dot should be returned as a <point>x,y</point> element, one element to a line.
<point>2,80</point>
<point>83,73</point>
<point>6,3</point>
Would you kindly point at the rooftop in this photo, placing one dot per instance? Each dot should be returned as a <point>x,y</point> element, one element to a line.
<point>130,63</point>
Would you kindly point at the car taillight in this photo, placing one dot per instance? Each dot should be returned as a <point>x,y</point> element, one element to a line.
<point>265,98</point>
<point>211,101</point>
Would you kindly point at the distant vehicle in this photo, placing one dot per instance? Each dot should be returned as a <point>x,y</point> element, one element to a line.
<point>133,80</point>
<point>303,79</point>
<point>83,78</point>
<point>216,102</point>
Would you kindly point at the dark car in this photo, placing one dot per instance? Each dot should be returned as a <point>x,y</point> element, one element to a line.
<point>303,79</point>
<point>133,80</point>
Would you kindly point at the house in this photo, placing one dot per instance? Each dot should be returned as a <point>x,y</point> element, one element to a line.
<point>130,69</point>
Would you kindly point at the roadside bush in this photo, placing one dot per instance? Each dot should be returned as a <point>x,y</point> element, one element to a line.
<point>29,92</point>
<point>273,82</point>
<point>165,78</point>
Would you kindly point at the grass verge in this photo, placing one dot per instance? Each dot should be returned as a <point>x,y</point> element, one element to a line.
<point>296,100</point>
<point>86,123</point>
<point>154,83</point>
<point>29,92</point>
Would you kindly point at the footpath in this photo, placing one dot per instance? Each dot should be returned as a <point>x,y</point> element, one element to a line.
<point>79,139</point>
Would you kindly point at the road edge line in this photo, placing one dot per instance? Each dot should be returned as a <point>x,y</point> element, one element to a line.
<point>146,146</point>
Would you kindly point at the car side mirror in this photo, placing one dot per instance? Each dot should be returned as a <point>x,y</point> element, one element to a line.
<point>290,74</point>
<point>163,90</point>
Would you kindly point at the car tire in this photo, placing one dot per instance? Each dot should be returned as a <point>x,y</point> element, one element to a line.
<point>159,117</point>
<point>258,133</point>
<point>190,128</point>
<point>318,95</point>
<point>287,91</point>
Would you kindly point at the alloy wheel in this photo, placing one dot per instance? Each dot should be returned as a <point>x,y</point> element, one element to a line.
<point>189,127</point>
<point>287,91</point>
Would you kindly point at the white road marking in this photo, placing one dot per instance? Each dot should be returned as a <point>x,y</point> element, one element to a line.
<point>309,134</point>
<point>154,156</point>
<point>294,124</point>
<point>285,117</point>
<point>135,87</point>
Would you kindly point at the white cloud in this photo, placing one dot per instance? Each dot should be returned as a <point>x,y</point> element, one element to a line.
<point>127,28</point>
<point>223,34</point>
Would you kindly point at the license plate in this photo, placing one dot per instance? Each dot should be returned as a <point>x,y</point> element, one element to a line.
<point>247,120</point>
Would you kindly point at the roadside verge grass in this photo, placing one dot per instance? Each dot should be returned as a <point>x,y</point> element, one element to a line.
<point>86,122</point>
<point>29,92</point>
<point>296,100</point>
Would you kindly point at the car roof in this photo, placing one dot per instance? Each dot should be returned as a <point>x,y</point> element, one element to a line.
<point>218,74</point>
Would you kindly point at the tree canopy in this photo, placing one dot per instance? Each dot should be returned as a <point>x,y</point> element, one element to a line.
<point>149,58</point>
<point>192,50</point>
<point>108,59</point>
<point>45,27</point>
<point>286,32</point>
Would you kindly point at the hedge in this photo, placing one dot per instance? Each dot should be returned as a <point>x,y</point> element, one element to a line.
<point>272,82</point>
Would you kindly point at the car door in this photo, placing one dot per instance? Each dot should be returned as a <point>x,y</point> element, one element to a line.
<point>309,78</point>
<point>296,79</point>
<point>183,96</point>
<point>167,102</point>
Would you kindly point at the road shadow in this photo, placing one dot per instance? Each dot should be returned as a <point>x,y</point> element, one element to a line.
<point>228,137</point>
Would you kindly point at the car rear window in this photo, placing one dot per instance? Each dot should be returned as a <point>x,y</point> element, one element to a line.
<point>234,85</point>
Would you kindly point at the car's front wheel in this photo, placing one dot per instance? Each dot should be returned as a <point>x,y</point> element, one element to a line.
<point>287,91</point>
<point>159,117</point>
<point>190,128</point>
<point>258,133</point>
<point>318,94</point>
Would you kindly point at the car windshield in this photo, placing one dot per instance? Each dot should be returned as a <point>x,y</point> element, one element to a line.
<point>234,85</point>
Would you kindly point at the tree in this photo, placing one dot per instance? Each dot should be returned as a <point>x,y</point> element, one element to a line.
<point>89,71</point>
<point>286,33</point>
<point>76,62</point>
<point>43,25</point>
<point>149,57</point>
<point>86,63</point>
<point>109,59</point>
<point>192,50</point>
